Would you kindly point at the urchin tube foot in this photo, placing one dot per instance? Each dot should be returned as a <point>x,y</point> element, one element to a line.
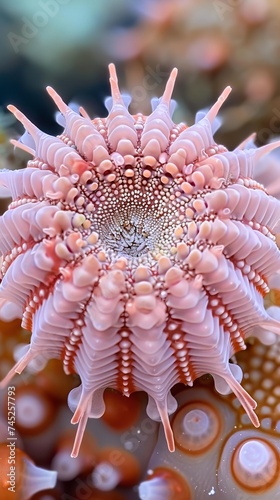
<point>160,410</point>
<point>225,383</point>
<point>85,405</point>
<point>18,367</point>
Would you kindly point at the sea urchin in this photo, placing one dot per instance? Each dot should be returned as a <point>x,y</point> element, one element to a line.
<point>139,252</point>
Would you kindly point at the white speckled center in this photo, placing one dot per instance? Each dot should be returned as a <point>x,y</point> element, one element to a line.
<point>67,467</point>
<point>30,410</point>
<point>154,488</point>
<point>254,456</point>
<point>196,423</point>
<point>105,477</point>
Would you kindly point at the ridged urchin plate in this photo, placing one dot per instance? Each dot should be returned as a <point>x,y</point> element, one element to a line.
<point>139,252</point>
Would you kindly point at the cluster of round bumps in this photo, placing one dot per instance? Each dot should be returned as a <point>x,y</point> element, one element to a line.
<point>139,252</point>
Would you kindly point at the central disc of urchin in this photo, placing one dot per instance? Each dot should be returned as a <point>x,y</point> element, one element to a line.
<point>130,228</point>
<point>132,234</point>
<point>132,217</point>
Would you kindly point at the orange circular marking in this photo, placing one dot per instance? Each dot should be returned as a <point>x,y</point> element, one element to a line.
<point>255,465</point>
<point>196,426</point>
<point>35,411</point>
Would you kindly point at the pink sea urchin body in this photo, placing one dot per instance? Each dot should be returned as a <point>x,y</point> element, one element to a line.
<point>139,252</point>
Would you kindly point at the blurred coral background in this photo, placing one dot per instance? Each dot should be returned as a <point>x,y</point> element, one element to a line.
<point>68,44</point>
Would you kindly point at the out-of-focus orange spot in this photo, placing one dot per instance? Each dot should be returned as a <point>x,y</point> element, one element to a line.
<point>121,411</point>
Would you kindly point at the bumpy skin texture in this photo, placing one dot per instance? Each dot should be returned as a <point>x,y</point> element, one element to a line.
<point>139,252</point>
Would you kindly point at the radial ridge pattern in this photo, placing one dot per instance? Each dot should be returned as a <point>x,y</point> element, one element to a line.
<point>139,251</point>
